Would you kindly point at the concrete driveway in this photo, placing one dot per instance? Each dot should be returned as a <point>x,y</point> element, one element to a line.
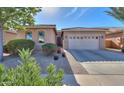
<point>96,55</point>
<point>99,73</point>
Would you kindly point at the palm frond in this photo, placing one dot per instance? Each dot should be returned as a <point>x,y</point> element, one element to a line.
<point>117,13</point>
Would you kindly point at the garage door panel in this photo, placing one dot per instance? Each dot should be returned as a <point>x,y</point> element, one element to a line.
<point>83,44</point>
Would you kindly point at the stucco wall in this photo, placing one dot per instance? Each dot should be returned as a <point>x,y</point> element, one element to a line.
<point>112,44</point>
<point>49,35</point>
<point>114,35</point>
<point>114,40</point>
<point>7,36</point>
<point>83,33</point>
<point>108,43</point>
<point>20,35</point>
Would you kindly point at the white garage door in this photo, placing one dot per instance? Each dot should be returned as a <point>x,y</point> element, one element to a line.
<point>92,43</point>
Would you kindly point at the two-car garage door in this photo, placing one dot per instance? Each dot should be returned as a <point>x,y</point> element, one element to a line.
<point>91,43</point>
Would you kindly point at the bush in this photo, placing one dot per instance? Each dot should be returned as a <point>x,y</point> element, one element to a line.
<point>28,73</point>
<point>14,45</point>
<point>5,50</point>
<point>54,78</point>
<point>49,48</point>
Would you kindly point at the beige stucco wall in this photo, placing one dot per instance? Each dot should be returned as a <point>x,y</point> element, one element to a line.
<point>83,33</point>
<point>114,40</point>
<point>50,36</point>
<point>20,35</point>
<point>7,36</point>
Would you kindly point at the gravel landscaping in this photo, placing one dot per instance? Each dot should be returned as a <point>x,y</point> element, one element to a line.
<point>43,61</point>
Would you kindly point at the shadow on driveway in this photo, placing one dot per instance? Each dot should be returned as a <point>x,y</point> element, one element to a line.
<point>96,55</point>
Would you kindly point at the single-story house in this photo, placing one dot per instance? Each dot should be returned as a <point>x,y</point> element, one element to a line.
<point>69,38</point>
<point>84,38</point>
<point>115,38</point>
<point>37,33</point>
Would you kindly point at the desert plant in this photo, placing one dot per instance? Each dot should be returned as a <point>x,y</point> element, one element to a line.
<point>54,77</point>
<point>56,57</point>
<point>63,54</point>
<point>5,50</point>
<point>2,74</point>
<point>14,45</point>
<point>49,48</point>
<point>28,73</point>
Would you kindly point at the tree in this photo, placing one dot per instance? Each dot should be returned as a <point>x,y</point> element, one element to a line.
<point>118,13</point>
<point>15,18</point>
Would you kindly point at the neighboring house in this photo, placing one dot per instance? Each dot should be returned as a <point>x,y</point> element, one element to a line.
<point>114,38</point>
<point>84,38</point>
<point>37,33</point>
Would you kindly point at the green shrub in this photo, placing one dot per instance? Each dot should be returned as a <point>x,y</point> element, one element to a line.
<point>49,48</point>
<point>14,45</point>
<point>5,50</point>
<point>54,77</point>
<point>28,73</point>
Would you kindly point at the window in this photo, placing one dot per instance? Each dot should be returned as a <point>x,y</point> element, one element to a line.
<point>70,37</point>
<point>29,35</point>
<point>88,37</point>
<point>77,37</point>
<point>85,37</point>
<point>41,37</point>
<point>102,37</point>
<point>96,37</point>
<point>92,37</point>
<point>66,37</point>
<point>81,37</point>
<point>74,37</point>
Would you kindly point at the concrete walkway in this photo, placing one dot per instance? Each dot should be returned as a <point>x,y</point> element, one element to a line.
<point>97,73</point>
<point>104,68</point>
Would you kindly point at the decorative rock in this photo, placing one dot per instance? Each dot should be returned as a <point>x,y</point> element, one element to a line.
<point>63,54</point>
<point>56,57</point>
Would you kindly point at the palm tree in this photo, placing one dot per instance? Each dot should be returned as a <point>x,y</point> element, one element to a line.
<point>117,12</point>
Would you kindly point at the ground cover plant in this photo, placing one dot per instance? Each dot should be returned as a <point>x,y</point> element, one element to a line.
<point>49,48</point>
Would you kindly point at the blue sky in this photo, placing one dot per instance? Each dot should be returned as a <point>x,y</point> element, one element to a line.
<point>66,17</point>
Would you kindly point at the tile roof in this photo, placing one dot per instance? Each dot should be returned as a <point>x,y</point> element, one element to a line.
<point>85,29</point>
